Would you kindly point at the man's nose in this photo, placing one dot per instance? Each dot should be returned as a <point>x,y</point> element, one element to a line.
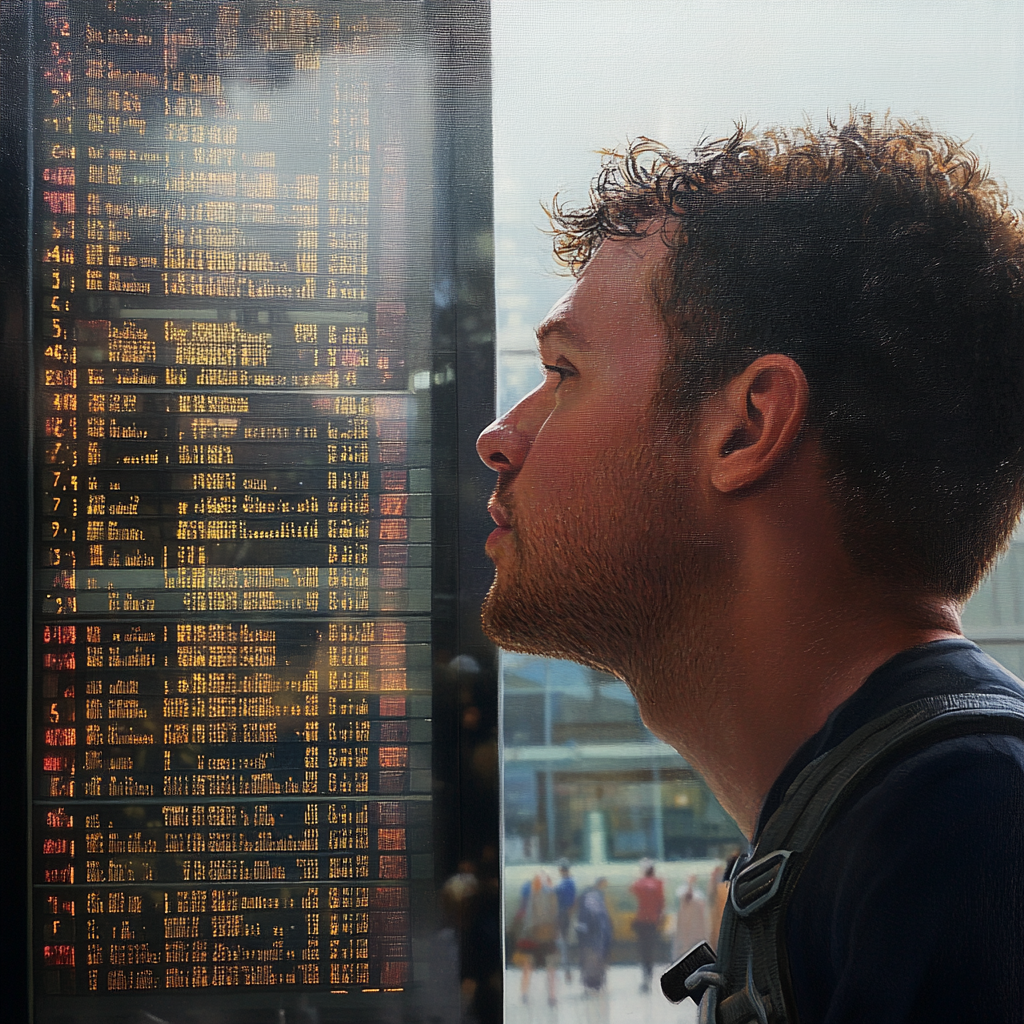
<point>503,446</point>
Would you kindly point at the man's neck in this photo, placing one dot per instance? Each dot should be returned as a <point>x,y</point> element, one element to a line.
<point>777,677</point>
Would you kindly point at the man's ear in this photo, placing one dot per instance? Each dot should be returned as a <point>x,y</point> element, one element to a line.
<point>754,421</point>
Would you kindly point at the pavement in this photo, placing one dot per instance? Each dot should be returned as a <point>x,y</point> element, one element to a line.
<point>619,1002</point>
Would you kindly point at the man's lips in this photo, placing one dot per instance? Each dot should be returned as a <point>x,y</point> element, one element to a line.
<point>503,522</point>
<point>499,515</point>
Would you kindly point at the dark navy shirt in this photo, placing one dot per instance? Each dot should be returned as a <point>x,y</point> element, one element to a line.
<point>911,907</point>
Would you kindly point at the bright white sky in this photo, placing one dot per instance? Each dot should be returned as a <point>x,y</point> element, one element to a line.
<point>573,76</point>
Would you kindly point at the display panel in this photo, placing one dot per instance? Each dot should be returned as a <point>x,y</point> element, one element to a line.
<point>234,621</point>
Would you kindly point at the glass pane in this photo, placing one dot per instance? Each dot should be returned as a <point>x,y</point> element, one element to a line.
<point>243,805</point>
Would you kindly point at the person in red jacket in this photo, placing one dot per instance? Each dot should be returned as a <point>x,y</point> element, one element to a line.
<point>650,902</point>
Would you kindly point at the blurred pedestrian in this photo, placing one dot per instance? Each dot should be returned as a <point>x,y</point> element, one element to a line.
<point>691,919</point>
<point>565,890</point>
<point>718,893</point>
<point>650,901</point>
<point>539,933</point>
<point>457,902</point>
<point>594,933</point>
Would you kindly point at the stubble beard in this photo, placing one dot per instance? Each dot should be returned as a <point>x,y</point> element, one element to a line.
<point>632,587</point>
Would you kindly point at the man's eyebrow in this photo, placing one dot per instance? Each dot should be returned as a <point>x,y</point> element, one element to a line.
<point>562,326</point>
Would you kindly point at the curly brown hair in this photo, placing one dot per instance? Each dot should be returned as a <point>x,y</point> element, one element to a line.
<point>887,262</point>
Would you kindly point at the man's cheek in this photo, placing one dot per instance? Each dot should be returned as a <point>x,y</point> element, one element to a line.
<point>555,477</point>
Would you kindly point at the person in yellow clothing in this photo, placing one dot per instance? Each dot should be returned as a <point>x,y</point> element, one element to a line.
<point>538,933</point>
<point>691,918</point>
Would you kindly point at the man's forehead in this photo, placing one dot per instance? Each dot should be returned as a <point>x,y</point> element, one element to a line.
<point>562,322</point>
<point>649,245</point>
<point>626,266</point>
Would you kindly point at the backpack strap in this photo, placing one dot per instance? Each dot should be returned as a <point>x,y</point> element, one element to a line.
<point>750,982</point>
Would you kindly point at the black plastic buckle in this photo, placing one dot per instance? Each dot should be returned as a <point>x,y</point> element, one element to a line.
<point>673,981</point>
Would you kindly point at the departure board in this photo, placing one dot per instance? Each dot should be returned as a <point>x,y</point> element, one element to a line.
<point>232,583</point>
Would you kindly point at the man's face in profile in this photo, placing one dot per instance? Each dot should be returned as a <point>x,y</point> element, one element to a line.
<point>596,513</point>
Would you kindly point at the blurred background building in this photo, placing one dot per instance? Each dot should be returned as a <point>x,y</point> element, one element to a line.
<point>585,780</point>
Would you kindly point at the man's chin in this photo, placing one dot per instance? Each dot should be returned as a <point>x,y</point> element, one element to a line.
<point>513,623</point>
<point>506,621</point>
<point>524,627</point>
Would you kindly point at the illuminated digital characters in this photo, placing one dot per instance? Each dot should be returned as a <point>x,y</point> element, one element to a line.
<point>233,435</point>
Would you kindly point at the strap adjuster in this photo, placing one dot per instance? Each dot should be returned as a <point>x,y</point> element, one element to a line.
<point>757,883</point>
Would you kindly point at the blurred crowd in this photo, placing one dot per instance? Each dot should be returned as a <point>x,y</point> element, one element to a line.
<point>560,929</point>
